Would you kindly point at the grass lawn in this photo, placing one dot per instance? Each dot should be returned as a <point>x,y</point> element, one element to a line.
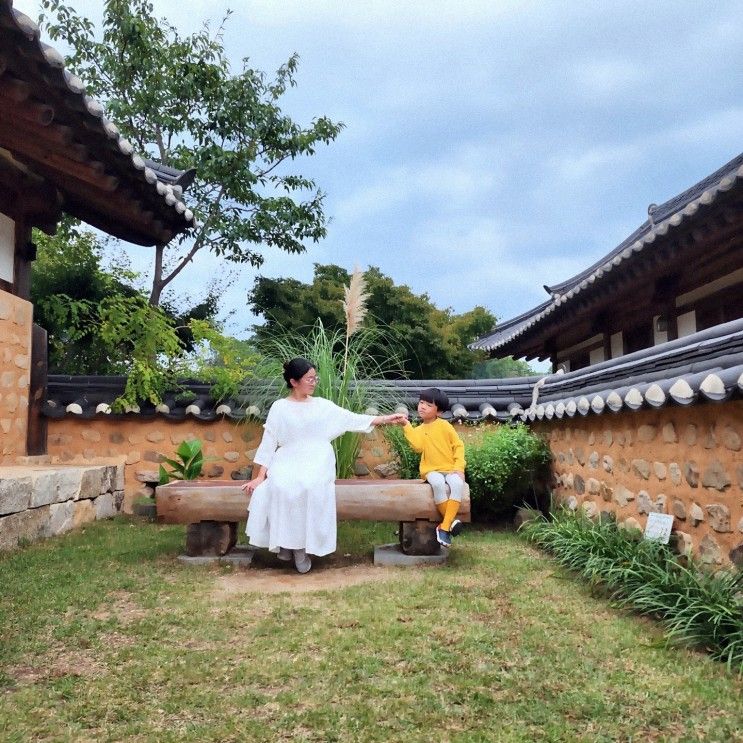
<point>107,637</point>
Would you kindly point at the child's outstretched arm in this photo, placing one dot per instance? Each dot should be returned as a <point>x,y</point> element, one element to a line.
<point>457,446</point>
<point>414,436</point>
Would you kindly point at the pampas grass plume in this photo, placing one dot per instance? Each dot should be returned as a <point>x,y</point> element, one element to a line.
<point>354,303</point>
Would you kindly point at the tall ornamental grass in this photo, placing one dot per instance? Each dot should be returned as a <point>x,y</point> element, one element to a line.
<point>347,372</point>
<point>697,608</point>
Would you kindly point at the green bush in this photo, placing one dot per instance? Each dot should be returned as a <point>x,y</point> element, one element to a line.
<point>696,607</point>
<point>503,467</point>
<point>407,460</point>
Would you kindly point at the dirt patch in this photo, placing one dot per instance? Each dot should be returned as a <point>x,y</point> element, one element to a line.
<point>119,604</point>
<point>287,580</point>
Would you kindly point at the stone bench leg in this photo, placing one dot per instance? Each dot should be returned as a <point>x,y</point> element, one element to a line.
<point>418,537</point>
<point>210,538</point>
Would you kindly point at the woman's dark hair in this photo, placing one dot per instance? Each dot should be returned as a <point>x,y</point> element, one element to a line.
<point>436,397</point>
<point>295,369</point>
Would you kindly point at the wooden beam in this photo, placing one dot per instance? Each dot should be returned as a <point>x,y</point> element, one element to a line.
<point>189,502</point>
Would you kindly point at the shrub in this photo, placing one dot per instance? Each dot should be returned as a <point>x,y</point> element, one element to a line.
<point>696,608</point>
<point>503,467</point>
<point>408,461</point>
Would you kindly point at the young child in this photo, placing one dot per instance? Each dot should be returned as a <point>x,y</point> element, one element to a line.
<point>442,460</point>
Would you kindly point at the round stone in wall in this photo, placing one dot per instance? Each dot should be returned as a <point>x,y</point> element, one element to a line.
<point>719,517</point>
<point>571,503</point>
<point>690,434</point>
<point>675,472</point>
<point>607,437</point>
<point>669,433</point>
<point>731,439</point>
<point>691,473</point>
<point>579,484</point>
<point>622,497</point>
<point>715,477</point>
<point>696,515</point>
<point>678,508</point>
<point>641,468</point>
<point>709,551</point>
<point>736,556</point>
<point>660,470</point>
<point>682,544</point>
<point>710,441</point>
<point>593,460</point>
<point>646,433</point>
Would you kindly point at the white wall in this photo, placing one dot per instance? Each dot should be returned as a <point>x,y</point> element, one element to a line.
<point>7,248</point>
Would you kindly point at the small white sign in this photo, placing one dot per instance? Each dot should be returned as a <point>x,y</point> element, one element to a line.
<point>659,527</point>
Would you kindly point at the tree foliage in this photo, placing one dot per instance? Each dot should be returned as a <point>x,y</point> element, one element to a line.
<point>434,340</point>
<point>98,322</point>
<point>176,98</point>
<point>502,368</point>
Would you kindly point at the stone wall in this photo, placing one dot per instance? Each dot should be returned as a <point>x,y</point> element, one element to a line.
<point>15,366</point>
<point>42,501</point>
<point>684,461</point>
<point>140,443</point>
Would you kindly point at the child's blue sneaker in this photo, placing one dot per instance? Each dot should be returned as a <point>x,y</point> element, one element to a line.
<point>443,537</point>
<point>456,528</point>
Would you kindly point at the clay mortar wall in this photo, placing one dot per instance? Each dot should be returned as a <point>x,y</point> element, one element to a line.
<point>684,461</point>
<point>140,444</point>
<point>15,368</point>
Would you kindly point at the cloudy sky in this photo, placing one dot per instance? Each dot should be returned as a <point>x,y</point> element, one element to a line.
<point>490,146</point>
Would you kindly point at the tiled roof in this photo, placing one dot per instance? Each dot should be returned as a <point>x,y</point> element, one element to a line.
<point>99,147</point>
<point>706,366</point>
<point>665,218</point>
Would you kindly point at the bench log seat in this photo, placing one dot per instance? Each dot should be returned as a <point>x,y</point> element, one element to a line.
<point>212,509</point>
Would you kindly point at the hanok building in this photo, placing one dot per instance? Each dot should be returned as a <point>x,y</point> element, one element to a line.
<point>59,153</point>
<point>680,272</point>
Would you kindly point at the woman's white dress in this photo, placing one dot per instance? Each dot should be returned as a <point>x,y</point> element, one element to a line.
<point>294,507</point>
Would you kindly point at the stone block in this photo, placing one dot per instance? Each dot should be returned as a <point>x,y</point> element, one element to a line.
<point>90,434</point>
<point>593,460</point>
<point>152,456</point>
<point>580,455</point>
<point>26,526</point>
<point>660,470</point>
<point>579,484</point>
<point>147,475</point>
<point>155,437</point>
<point>690,434</point>
<point>740,524</point>
<point>715,477</point>
<point>84,512</point>
<point>15,494</point>
<point>90,482</point>
<point>719,517</point>
<point>231,456</point>
<point>61,518</point>
<point>571,503</point>
<point>710,440</point>
<point>135,438</point>
<point>54,486</point>
<point>116,437</point>
<point>227,437</point>
<point>133,457</point>
<point>105,506</point>
<point>209,436</point>
<point>607,463</point>
<point>607,437</point>
<point>731,439</point>
<point>591,438</point>
<point>360,469</point>
<point>606,492</point>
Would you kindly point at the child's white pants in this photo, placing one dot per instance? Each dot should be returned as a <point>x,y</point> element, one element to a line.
<point>439,480</point>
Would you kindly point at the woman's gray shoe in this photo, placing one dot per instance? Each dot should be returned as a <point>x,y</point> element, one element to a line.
<point>284,554</point>
<point>302,561</point>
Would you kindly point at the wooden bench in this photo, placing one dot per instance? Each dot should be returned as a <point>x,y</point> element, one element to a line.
<point>213,508</point>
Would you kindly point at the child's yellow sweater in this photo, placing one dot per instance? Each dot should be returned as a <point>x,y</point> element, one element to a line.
<point>439,445</point>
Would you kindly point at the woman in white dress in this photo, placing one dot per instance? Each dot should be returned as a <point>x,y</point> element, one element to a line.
<point>292,507</point>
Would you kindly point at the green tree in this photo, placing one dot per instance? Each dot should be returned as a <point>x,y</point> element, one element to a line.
<point>434,340</point>
<point>176,98</point>
<point>502,368</point>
